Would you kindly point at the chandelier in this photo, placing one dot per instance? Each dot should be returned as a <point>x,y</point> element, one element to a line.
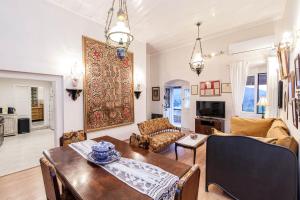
<point>197,58</point>
<point>117,29</point>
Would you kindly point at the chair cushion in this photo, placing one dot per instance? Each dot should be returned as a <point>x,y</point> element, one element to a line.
<point>250,126</point>
<point>159,141</point>
<point>154,125</point>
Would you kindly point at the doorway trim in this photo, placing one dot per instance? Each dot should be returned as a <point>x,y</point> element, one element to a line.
<point>185,112</point>
<point>58,101</point>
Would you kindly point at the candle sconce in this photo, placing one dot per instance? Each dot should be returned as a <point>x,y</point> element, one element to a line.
<point>74,93</point>
<point>137,91</point>
<point>76,75</point>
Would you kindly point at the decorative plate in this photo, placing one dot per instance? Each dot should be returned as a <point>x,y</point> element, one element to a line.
<point>112,158</point>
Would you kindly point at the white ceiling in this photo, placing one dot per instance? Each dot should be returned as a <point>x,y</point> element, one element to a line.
<point>166,24</point>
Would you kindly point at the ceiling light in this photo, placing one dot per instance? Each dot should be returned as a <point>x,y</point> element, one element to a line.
<point>119,35</point>
<point>197,60</point>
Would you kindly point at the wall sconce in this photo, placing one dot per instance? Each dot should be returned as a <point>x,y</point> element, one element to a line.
<point>138,91</point>
<point>76,74</point>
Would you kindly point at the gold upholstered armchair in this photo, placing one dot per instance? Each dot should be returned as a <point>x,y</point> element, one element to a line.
<point>159,133</point>
<point>71,137</point>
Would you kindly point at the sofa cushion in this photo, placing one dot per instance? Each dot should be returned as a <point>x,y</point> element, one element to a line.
<point>288,142</point>
<point>277,132</point>
<point>262,139</point>
<point>279,123</point>
<point>250,126</point>
<point>154,125</point>
<point>159,141</point>
<point>278,129</point>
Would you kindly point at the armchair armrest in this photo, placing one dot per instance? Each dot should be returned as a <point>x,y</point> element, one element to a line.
<point>139,141</point>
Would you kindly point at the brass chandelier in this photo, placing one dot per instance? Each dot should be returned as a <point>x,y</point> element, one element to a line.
<point>197,58</point>
<point>118,35</point>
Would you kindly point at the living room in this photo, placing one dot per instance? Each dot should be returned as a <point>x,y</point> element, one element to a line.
<point>217,65</point>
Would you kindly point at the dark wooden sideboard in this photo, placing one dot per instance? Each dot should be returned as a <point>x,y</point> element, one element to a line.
<point>204,125</point>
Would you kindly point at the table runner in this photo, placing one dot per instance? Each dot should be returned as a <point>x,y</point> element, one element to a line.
<point>143,177</point>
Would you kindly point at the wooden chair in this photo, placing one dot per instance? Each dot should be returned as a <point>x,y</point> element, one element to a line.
<point>188,185</point>
<point>71,137</point>
<point>51,182</point>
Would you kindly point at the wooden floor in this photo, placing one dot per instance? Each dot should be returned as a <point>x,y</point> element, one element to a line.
<point>28,184</point>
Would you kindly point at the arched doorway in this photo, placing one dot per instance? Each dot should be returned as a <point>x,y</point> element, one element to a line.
<point>177,102</point>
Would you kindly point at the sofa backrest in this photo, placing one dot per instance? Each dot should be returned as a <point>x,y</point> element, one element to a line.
<point>154,125</point>
<point>251,126</point>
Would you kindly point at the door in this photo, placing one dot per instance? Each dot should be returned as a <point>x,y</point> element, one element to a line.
<point>176,107</point>
<point>185,110</point>
<point>22,99</point>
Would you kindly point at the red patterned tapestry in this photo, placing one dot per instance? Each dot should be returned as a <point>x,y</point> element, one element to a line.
<point>108,87</point>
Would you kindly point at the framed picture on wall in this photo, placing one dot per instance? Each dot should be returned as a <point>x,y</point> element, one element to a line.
<point>295,113</point>
<point>291,85</point>
<point>210,88</point>
<point>155,93</point>
<point>283,55</point>
<point>297,71</point>
<point>194,89</point>
<point>226,88</point>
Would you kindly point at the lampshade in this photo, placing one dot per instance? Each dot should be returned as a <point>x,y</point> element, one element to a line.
<point>263,101</point>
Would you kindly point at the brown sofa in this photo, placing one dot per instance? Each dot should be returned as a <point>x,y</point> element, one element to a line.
<point>159,133</point>
<point>257,160</point>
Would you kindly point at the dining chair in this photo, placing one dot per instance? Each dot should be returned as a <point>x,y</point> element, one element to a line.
<point>71,137</point>
<point>51,182</point>
<point>188,185</point>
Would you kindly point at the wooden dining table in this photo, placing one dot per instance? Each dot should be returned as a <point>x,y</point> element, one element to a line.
<point>88,181</point>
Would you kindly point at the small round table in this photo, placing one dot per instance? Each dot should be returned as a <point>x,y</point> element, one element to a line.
<point>189,143</point>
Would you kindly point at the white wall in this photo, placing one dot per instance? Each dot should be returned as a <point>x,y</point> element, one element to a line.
<point>39,37</point>
<point>173,64</point>
<point>290,22</point>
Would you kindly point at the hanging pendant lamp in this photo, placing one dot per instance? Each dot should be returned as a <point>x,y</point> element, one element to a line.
<point>197,60</point>
<point>117,29</point>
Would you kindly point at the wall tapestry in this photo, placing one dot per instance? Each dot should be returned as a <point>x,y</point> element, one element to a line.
<point>108,87</point>
<point>210,88</point>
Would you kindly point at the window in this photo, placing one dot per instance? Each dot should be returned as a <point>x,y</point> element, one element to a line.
<point>262,89</point>
<point>249,96</point>
<point>253,91</point>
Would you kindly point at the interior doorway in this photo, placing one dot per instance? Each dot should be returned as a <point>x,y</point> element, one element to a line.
<point>177,102</point>
<point>23,143</point>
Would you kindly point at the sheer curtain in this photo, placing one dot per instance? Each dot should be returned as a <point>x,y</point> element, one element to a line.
<point>238,76</point>
<point>272,87</point>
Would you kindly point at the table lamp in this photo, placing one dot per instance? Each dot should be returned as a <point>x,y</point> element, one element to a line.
<point>263,102</point>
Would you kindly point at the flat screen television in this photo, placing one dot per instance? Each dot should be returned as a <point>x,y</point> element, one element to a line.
<point>210,109</point>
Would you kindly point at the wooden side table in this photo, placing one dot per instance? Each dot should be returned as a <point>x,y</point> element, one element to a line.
<point>189,143</point>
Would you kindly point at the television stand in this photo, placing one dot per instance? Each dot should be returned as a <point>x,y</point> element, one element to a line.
<point>204,125</point>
